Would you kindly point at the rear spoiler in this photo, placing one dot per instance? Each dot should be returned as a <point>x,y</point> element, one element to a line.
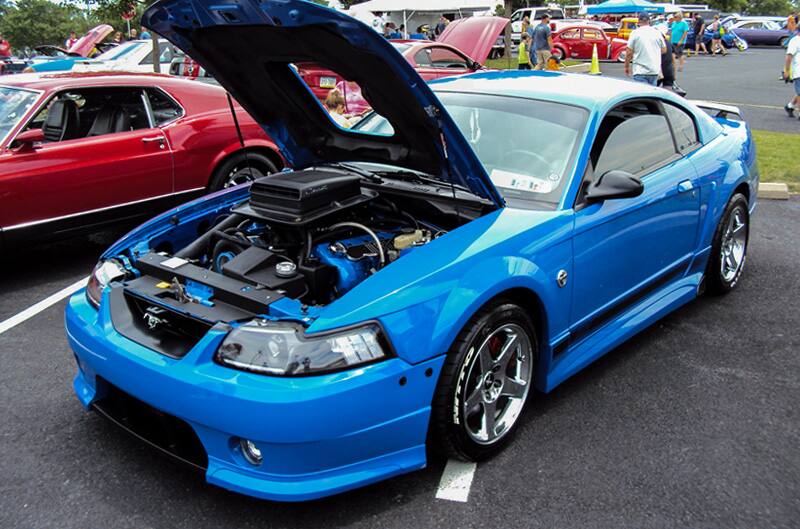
<point>720,110</point>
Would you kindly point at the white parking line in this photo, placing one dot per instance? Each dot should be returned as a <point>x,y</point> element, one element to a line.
<point>33,310</point>
<point>456,481</point>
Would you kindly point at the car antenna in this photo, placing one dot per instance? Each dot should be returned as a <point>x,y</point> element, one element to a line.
<point>239,133</point>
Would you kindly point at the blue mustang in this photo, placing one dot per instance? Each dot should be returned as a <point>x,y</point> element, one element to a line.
<point>414,278</point>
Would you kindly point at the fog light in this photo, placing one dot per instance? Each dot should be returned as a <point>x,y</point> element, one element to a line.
<point>251,452</point>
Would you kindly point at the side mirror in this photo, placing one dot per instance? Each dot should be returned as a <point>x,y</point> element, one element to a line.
<point>476,66</point>
<point>614,184</point>
<point>25,140</point>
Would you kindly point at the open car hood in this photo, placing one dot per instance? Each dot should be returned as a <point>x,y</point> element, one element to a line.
<point>475,36</point>
<point>250,47</point>
<point>93,37</point>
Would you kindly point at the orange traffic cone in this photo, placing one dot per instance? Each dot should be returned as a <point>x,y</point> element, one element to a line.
<point>595,69</point>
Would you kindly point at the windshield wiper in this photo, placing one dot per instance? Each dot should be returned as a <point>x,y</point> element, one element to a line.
<point>412,176</point>
<point>369,175</point>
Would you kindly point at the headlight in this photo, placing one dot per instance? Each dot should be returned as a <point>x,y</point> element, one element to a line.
<point>282,349</point>
<point>104,273</point>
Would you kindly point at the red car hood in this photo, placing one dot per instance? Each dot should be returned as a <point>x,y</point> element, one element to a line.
<point>93,37</point>
<point>475,36</point>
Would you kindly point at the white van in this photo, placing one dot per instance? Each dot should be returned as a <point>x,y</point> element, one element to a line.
<point>533,14</point>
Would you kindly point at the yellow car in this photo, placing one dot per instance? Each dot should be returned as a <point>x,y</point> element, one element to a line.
<point>626,27</point>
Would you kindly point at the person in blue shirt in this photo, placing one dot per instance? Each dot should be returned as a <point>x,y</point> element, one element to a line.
<point>144,34</point>
<point>680,29</point>
<point>542,42</point>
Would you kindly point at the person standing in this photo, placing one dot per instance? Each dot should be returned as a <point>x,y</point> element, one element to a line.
<point>699,32</point>
<point>791,22</point>
<point>680,30</point>
<point>645,46</point>
<point>70,42</point>
<point>133,35</point>
<point>716,36</point>
<point>524,57</point>
<point>144,34</point>
<point>5,47</point>
<point>791,72</point>
<point>542,42</point>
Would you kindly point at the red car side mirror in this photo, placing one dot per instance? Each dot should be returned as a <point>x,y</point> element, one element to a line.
<point>25,140</point>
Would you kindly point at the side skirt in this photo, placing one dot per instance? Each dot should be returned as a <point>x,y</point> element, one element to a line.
<point>624,325</point>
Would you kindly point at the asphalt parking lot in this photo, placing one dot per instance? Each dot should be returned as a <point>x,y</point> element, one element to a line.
<point>747,79</point>
<point>693,423</point>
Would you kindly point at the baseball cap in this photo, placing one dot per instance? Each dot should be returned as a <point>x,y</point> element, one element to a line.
<point>644,16</point>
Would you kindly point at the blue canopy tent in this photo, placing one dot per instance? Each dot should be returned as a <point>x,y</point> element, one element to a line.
<point>621,7</point>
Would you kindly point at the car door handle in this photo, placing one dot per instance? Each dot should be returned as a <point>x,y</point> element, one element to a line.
<point>151,139</point>
<point>685,186</point>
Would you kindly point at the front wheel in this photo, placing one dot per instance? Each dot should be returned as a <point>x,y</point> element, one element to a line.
<point>485,383</point>
<point>241,168</point>
<point>729,248</point>
<point>784,42</point>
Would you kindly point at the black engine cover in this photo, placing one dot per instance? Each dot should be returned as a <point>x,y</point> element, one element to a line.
<point>299,197</point>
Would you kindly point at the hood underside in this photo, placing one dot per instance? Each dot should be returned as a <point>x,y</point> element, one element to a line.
<point>250,47</point>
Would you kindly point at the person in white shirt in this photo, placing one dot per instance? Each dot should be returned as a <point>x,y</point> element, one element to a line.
<point>791,72</point>
<point>645,46</point>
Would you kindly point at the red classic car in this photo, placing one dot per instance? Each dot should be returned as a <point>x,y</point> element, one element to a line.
<point>576,41</point>
<point>463,47</point>
<point>78,151</point>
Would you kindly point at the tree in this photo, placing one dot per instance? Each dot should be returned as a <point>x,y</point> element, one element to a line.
<point>35,22</point>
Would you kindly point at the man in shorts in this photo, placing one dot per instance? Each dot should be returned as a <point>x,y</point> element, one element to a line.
<point>680,29</point>
<point>542,42</point>
<point>791,71</point>
<point>699,33</point>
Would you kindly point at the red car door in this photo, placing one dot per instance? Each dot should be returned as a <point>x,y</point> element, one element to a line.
<point>58,179</point>
<point>591,37</point>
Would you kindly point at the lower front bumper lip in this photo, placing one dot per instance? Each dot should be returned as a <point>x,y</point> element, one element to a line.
<point>317,439</point>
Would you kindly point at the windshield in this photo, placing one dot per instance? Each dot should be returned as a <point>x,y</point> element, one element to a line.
<point>400,47</point>
<point>14,103</point>
<point>526,146</point>
<point>118,51</point>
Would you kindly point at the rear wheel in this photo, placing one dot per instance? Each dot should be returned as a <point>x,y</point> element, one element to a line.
<point>241,168</point>
<point>485,383</point>
<point>729,249</point>
<point>621,56</point>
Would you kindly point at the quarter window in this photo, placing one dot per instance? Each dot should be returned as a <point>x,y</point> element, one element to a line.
<point>683,128</point>
<point>164,108</point>
<point>592,34</point>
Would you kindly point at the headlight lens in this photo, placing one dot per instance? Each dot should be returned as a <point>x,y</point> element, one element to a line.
<point>104,273</point>
<point>281,349</point>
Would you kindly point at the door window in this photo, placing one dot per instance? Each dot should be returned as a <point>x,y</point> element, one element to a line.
<point>592,34</point>
<point>423,58</point>
<point>165,109</point>
<point>570,34</point>
<point>634,137</point>
<point>683,128</point>
<point>89,112</point>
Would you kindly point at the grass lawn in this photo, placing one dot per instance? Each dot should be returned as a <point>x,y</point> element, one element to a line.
<point>778,157</point>
<point>506,63</point>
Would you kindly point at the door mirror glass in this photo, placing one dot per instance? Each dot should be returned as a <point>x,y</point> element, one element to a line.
<point>614,184</point>
<point>25,140</point>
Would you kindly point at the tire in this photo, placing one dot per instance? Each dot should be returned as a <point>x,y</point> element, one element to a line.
<point>621,56</point>
<point>488,337</point>
<point>784,42</point>
<point>729,248</point>
<point>559,54</point>
<point>241,168</point>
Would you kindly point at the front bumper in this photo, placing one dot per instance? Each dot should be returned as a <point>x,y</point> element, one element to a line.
<point>318,435</point>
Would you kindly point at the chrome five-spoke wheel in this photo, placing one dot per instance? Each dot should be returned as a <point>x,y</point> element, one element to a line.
<point>497,383</point>
<point>734,244</point>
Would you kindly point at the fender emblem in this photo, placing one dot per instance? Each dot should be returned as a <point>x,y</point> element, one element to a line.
<point>561,278</point>
<point>152,317</point>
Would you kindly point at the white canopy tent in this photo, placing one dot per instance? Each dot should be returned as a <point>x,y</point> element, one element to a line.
<point>409,7</point>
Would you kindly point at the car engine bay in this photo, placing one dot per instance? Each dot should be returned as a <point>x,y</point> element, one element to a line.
<point>310,235</point>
